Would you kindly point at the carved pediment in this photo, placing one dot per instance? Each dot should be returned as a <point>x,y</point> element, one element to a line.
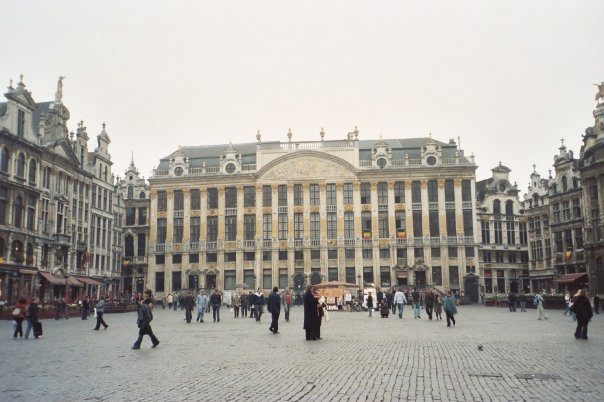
<point>308,167</point>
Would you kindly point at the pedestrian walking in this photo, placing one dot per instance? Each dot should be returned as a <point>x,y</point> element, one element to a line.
<point>287,303</point>
<point>19,316</point>
<point>188,303</point>
<point>181,299</point>
<point>450,309</point>
<point>259,304</point>
<point>85,308</point>
<point>311,314</point>
<point>438,306</point>
<point>369,304</point>
<point>379,296</point>
<point>100,310</point>
<point>429,301</point>
<point>64,308</point>
<point>566,303</point>
<point>384,309</point>
<point>145,316</point>
<point>399,301</point>
<point>31,315</point>
<point>582,309</point>
<point>274,307</point>
<point>252,303</point>
<point>597,304</point>
<point>215,302</point>
<point>170,300</point>
<point>538,301</point>
<point>390,298</point>
<point>236,304</point>
<point>416,298</point>
<point>57,308</point>
<point>244,300</point>
<point>201,301</point>
<point>573,316</point>
<point>522,300</point>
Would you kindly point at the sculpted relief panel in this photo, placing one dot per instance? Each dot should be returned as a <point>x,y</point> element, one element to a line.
<point>308,168</point>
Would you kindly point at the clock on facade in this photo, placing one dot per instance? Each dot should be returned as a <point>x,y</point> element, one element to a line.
<point>431,160</point>
<point>382,162</point>
<point>230,168</point>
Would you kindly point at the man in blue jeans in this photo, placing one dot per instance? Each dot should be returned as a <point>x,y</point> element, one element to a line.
<point>399,301</point>
<point>416,298</point>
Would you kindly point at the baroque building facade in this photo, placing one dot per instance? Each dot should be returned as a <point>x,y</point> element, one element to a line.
<point>591,166</point>
<point>134,191</point>
<point>503,253</point>
<point>47,177</point>
<point>371,212</point>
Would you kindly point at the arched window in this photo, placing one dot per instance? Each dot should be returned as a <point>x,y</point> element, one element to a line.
<point>130,193</point>
<point>535,200</point>
<point>496,207</point>
<point>32,171</point>
<point>564,184</point>
<point>29,254</point>
<point>509,207</point>
<point>141,195</point>
<point>4,160</point>
<point>129,246</point>
<point>575,183</point>
<point>18,212</point>
<point>16,251</point>
<point>21,165</point>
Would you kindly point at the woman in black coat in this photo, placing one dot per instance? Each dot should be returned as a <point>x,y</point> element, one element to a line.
<point>311,315</point>
<point>582,309</point>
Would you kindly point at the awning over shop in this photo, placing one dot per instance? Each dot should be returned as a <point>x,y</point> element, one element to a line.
<point>88,281</point>
<point>51,279</point>
<point>569,278</point>
<point>72,281</point>
<point>27,272</point>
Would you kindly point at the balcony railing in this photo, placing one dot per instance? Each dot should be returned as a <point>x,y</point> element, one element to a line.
<point>179,214</point>
<point>466,204</point>
<point>230,211</point>
<point>450,205</point>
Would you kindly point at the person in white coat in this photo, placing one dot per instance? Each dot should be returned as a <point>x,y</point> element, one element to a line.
<point>399,300</point>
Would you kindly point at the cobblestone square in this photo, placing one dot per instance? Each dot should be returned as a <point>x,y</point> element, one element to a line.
<point>359,358</point>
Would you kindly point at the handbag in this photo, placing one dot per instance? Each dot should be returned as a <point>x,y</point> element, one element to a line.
<point>16,311</point>
<point>95,316</point>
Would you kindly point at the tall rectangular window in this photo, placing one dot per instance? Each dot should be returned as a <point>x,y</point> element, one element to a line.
<point>486,232</point>
<point>249,227</point>
<point>434,224</point>
<point>315,225</point>
<point>348,225</point>
<point>399,192</point>
<point>194,228</point>
<point>348,193</point>
<point>400,219</point>
<point>195,201</point>
<point>313,190</point>
<point>416,192</point>
<point>142,216</point>
<point>267,279</point>
<point>130,216</point>
<point>267,196</point>
<point>298,197</point>
<point>162,200</point>
<point>230,197</point>
<point>178,200</point>
<point>282,226</point>
<point>176,280</point>
<point>267,226</point>
<point>522,231</point>
<point>466,190</point>
<point>31,214</point>
<point>212,228</point>
<point>159,281</point>
<point>141,244</point>
<point>498,232</point>
<point>249,196</point>
<point>449,191</point>
<point>230,228</point>
<point>382,193</point>
<point>229,279</point>
<point>332,274</point>
<point>366,224</point>
<point>161,230</point>
<point>20,123</point>
<point>298,225</point>
<point>454,276</point>
<point>417,224</point>
<point>332,225</point>
<point>468,223</point>
<point>432,191</point>
<point>330,190</point>
<point>350,275</point>
<point>282,195</point>
<point>212,198</point>
<point>178,229</point>
<point>383,231</point>
<point>511,233</point>
<point>365,193</point>
<point>437,276</point>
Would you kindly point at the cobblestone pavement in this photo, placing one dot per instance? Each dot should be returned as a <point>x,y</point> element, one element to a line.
<point>360,358</point>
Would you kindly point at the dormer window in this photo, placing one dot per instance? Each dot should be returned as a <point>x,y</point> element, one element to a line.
<point>431,160</point>
<point>178,171</point>
<point>230,168</point>
<point>20,123</point>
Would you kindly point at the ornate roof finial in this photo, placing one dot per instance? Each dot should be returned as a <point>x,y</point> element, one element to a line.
<point>550,173</point>
<point>430,134</point>
<point>322,134</point>
<point>10,85</point>
<point>59,93</point>
<point>534,168</point>
<point>21,79</point>
<point>258,136</point>
<point>132,158</point>
<point>289,135</point>
<point>356,133</point>
<point>562,141</point>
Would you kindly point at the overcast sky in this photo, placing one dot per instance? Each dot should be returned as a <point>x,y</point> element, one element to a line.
<point>510,78</point>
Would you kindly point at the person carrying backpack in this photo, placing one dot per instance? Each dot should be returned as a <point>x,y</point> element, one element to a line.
<point>538,301</point>
<point>145,316</point>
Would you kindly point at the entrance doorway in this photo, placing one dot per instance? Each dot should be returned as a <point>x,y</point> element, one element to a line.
<point>514,287</point>
<point>194,282</point>
<point>471,288</point>
<point>420,279</point>
<point>210,281</point>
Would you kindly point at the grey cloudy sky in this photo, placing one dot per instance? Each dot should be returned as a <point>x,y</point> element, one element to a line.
<point>509,77</point>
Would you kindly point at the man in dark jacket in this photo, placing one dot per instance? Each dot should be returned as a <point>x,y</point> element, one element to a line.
<point>380,297</point>
<point>144,319</point>
<point>429,301</point>
<point>582,309</point>
<point>215,302</point>
<point>85,308</point>
<point>311,315</point>
<point>189,303</point>
<point>274,307</point>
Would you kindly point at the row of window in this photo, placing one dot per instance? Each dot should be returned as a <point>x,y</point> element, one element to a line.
<point>131,216</point>
<point>249,195</point>
<point>567,212</point>
<point>505,257</point>
<point>23,210</point>
<point>498,232</point>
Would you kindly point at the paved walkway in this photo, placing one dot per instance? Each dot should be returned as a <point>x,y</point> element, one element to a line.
<point>360,358</point>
